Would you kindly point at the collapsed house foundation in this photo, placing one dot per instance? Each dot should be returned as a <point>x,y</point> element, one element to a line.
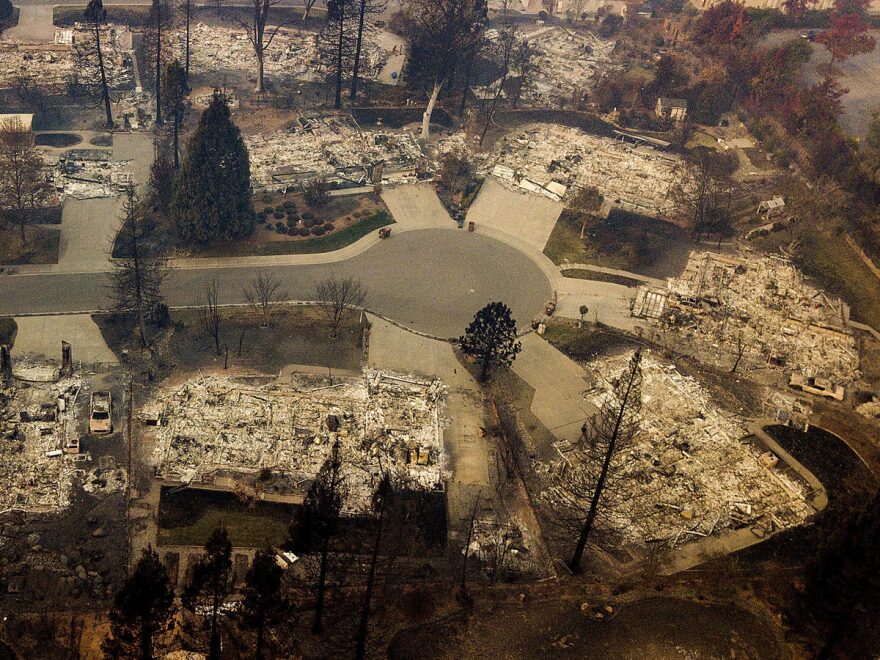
<point>550,159</point>
<point>692,470</point>
<point>221,433</point>
<point>332,147</point>
<point>757,310</point>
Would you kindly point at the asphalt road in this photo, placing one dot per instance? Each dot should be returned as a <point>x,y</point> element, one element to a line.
<point>431,280</point>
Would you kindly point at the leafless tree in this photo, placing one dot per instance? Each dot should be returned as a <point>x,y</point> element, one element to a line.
<point>210,315</point>
<point>705,193</point>
<point>337,42</point>
<point>307,9</point>
<point>20,164</point>
<point>448,30</point>
<point>523,61</point>
<point>154,49</point>
<point>584,204</point>
<point>595,459</point>
<point>259,33</point>
<point>90,72</point>
<point>262,294</point>
<point>136,279</point>
<point>741,344</point>
<point>337,298</point>
<point>504,47</point>
<point>365,8</point>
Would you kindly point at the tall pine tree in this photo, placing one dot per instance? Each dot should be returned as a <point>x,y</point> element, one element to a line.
<point>212,193</point>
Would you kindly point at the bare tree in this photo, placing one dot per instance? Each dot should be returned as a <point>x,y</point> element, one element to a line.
<point>523,60</point>
<point>581,484</point>
<point>154,51</point>
<point>584,204</point>
<point>337,298</point>
<point>187,17</point>
<point>209,313</point>
<point>307,9</point>
<point>741,343</point>
<point>337,42</point>
<point>317,521</point>
<point>446,31</point>
<point>136,279</point>
<point>262,294</point>
<point>365,8</point>
<point>20,164</point>
<point>260,37</point>
<point>89,70</point>
<point>504,49</point>
<point>705,193</point>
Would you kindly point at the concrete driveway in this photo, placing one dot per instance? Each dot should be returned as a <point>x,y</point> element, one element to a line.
<point>42,335</point>
<point>526,216</point>
<point>559,385</point>
<point>416,207</point>
<point>88,227</point>
<point>34,26</point>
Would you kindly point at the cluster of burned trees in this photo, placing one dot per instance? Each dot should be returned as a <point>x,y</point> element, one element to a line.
<point>266,615</point>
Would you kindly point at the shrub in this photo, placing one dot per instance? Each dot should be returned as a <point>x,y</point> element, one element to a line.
<point>281,229</point>
<point>290,206</point>
<point>328,226</point>
<point>318,230</point>
<point>278,215</point>
<point>291,223</point>
<point>293,216</point>
<point>304,231</point>
<point>308,215</point>
<point>308,222</point>
<point>279,225</point>
<point>261,217</point>
<point>269,210</point>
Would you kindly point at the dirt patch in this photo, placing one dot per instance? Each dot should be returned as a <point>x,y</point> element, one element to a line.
<point>598,276</point>
<point>39,247</point>
<point>105,140</point>
<point>650,628</point>
<point>297,335</point>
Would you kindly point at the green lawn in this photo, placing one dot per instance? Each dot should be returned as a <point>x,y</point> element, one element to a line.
<point>190,516</point>
<point>625,241</point>
<point>329,243</point>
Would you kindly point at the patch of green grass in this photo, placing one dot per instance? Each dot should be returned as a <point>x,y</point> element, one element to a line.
<point>625,241</point>
<point>329,243</point>
<point>8,330</point>
<point>586,343</point>
<point>189,517</point>
<point>836,267</point>
<point>565,244</point>
<point>41,247</point>
<point>598,276</point>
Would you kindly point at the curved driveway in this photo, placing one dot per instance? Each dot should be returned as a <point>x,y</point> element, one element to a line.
<point>431,280</point>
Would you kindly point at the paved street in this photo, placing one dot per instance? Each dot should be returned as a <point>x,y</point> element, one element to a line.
<point>432,280</point>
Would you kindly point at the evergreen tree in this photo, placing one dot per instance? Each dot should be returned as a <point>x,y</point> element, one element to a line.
<point>264,605</point>
<point>174,93</point>
<point>491,338</point>
<point>212,193</point>
<point>141,609</point>
<point>210,585</point>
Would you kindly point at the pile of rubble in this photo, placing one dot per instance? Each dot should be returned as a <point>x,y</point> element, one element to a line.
<point>564,65</point>
<point>89,173</point>
<point>688,473</point>
<point>293,53</point>
<point>760,309</point>
<point>52,66</point>
<point>550,159</point>
<point>37,424</point>
<point>333,147</point>
<point>213,429</point>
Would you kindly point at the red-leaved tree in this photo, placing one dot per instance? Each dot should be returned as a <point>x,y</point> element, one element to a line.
<point>848,35</point>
